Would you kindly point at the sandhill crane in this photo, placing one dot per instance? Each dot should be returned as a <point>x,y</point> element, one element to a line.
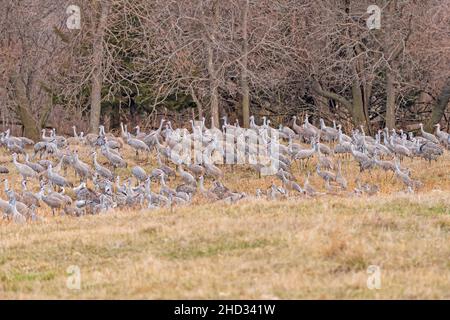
<point>310,130</point>
<point>139,134</point>
<point>28,197</point>
<point>253,126</point>
<point>187,188</point>
<point>287,174</point>
<point>206,193</point>
<point>139,173</point>
<point>21,207</point>
<point>323,147</point>
<point>137,145</point>
<point>325,175</point>
<point>82,192</point>
<point>186,176</point>
<point>294,148</point>
<point>430,151</point>
<point>444,137</point>
<point>168,171</point>
<point>380,148</point>
<point>427,135</point>
<point>360,157</point>
<point>343,147</point>
<point>82,169</point>
<point>51,200</point>
<point>220,190</point>
<point>305,154</point>
<point>275,192</point>
<point>234,197</point>
<point>20,141</point>
<point>298,129</point>
<point>75,140</point>
<point>165,189</point>
<point>17,217</point>
<point>385,165</point>
<point>24,170</point>
<point>15,148</point>
<point>35,166</point>
<point>404,177</point>
<point>308,188</point>
<point>291,185</point>
<point>101,170</point>
<point>324,162</point>
<point>399,149</point>
<point>56,179</point>
<point>114,159</point>
<point>211,170</point>
<point>286,131</point>
<point>60,141</point>
<point>196,169</point>
<point>39,147</point>
<point>114,144</point>
<point>329,134</point>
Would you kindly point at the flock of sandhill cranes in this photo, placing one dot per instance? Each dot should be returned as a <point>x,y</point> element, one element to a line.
<point>329,145</point>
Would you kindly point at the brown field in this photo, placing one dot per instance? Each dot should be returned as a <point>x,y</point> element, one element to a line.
<point>255,249</point>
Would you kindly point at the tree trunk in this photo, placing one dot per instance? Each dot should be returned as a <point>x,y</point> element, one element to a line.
<point>441,105</point>
<point>198,103</point>
<point>30,125</point>
<point>322,106</point>
<point>23,110</point>
<point>390,100</point>
<point>214,94</point>
<point>97,74</point>
<point>357,111</point>
<point>214,99</point>
<point>244,72</point>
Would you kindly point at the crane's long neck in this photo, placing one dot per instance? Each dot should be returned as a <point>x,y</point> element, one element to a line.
<point>122,130</point>
<point>160,125</point>
<point>340,136</point>
<point>322,124</point>
<point>147,187</point>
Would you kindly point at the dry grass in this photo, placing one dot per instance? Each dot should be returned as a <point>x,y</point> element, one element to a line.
<point>298,248</point>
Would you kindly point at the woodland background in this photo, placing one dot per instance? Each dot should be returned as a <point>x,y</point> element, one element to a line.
<point>138,60</point>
